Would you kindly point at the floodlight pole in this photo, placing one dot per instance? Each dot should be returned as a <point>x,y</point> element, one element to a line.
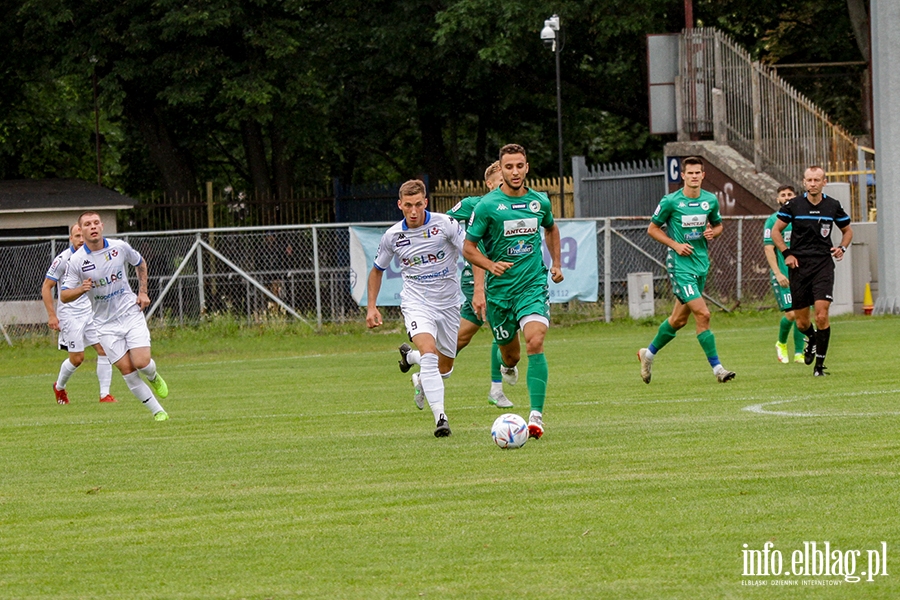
<point>551,36</point>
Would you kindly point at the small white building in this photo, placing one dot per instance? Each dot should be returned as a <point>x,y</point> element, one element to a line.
<point>43,208</point>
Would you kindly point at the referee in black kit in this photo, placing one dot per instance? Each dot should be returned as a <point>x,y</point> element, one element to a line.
<point>809,259</point>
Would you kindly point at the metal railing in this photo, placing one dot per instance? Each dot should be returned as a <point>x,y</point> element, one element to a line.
<point>746,105</point>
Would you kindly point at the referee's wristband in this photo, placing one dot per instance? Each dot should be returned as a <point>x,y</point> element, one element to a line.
<point>787,252</point>
<point>842,249</point>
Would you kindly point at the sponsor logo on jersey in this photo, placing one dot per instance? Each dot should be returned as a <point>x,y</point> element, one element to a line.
<point>422,259</point>
<point>435,231</point>
<point>692,235</point>
<point>108,280</point>
<point>403,241</point>
<point>111,254</point>
<point>692,204</point>
<point>456,207</point>
<point>825,229</point>
<point>787,237</point>
<point>519,249</point>
<point>535,206</point>
<point>520,227</point>
<point>691,221</point>
<point>88,266</point>
<point>501,206</point>
<point>681,205</point>
<point>521,206</point>
<point>704,205</point>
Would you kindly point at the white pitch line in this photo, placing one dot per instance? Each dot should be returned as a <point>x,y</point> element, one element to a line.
<point>762,410</point>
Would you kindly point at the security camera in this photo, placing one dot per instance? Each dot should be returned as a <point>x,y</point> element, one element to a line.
<point>548,33</point>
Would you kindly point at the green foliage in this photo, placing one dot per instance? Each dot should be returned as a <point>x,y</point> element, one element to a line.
<point>265,95</point>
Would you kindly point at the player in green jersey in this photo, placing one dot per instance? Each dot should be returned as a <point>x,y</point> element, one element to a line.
<point>473,311</point>
<point>781,285</point>
<point>508,221</point>
<point>691,217</point>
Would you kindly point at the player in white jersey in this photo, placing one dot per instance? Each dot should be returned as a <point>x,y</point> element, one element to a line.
<point>428,246</point>
<point>98,270</point>
<point>75,325</point>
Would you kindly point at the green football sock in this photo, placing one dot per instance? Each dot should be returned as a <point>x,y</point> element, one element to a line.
<point>664,335</point>
<point>784,329</point>
<point>799,340</point>
<point>495,362</point>
<point>708,343</point>
<point>538,373</point>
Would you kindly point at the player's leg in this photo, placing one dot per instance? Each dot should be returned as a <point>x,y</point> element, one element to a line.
<point>802,298</point>
<point>534,329</point>
<point>117,351</point>
<point>782,299</point>
<point>430,377</point>
<point>799,338</point>
<point>665,334</point>
<point>70,336</point>
<point>823,335</point>
<point>104,367</point>
<point>137,336</point>
<point>104,374</point>
<point>707,339</point>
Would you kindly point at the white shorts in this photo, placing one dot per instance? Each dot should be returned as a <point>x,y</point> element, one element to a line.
<point>441,323</point>
<point>77,334</point>
<point>124,333</point>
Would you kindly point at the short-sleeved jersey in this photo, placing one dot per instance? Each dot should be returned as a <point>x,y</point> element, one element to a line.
<point>78,309</point>
<point>767,240</point>
<point>510,230</point>
<point>813,224</point>
<point>428,258</point>
<point>686,220</point>
<point>462,212</point>
<point>111,295</point>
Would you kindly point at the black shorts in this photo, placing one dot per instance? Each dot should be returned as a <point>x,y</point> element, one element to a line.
<point>812,280</point>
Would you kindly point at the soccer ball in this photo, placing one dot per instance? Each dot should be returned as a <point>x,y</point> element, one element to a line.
<point>510,431</point>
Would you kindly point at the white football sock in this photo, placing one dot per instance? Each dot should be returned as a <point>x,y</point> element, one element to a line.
<point>142,392</point>
<point>149,371</point>
<point>432,384</point>
<point>104,374</point>
<point>66,369</point>
<point>496,387</point>
<point>414,357</point>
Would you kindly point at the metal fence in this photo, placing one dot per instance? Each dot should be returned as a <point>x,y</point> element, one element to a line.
<point>615,189</point>
<point>748,106</point>
<point>303,272</point>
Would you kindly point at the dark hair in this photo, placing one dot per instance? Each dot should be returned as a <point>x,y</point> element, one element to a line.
<point>781,188</point>
<point>87,212</point>
<point>412,187</point>
<point>694,160</point>
<point>512,149</point>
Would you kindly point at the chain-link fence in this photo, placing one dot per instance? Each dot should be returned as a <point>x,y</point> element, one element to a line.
<point>303,272</point>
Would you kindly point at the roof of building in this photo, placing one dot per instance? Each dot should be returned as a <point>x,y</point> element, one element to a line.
<point>42,195</point>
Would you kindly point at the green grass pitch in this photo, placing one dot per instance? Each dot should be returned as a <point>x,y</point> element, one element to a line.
<point>296,465</point>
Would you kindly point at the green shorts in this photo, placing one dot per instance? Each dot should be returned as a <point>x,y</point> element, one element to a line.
<point>687,286</point>
<point>782,295</point>
<point>468,313</point>
<point>505,314</point>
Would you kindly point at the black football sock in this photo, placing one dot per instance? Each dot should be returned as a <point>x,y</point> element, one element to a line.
<point>822,337</point>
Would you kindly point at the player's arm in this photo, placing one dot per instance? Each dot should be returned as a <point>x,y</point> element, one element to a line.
<point>551,238</point>
<point>846,238</point>
<point>143,299</point>
<point>478,259</point>
<point>656,232</point>
<point>772,259</point>
<point>713,231</point>
<point>479,300</point>
<point>47,297</point>
<point>373,315</point>
<point>778,239</point>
